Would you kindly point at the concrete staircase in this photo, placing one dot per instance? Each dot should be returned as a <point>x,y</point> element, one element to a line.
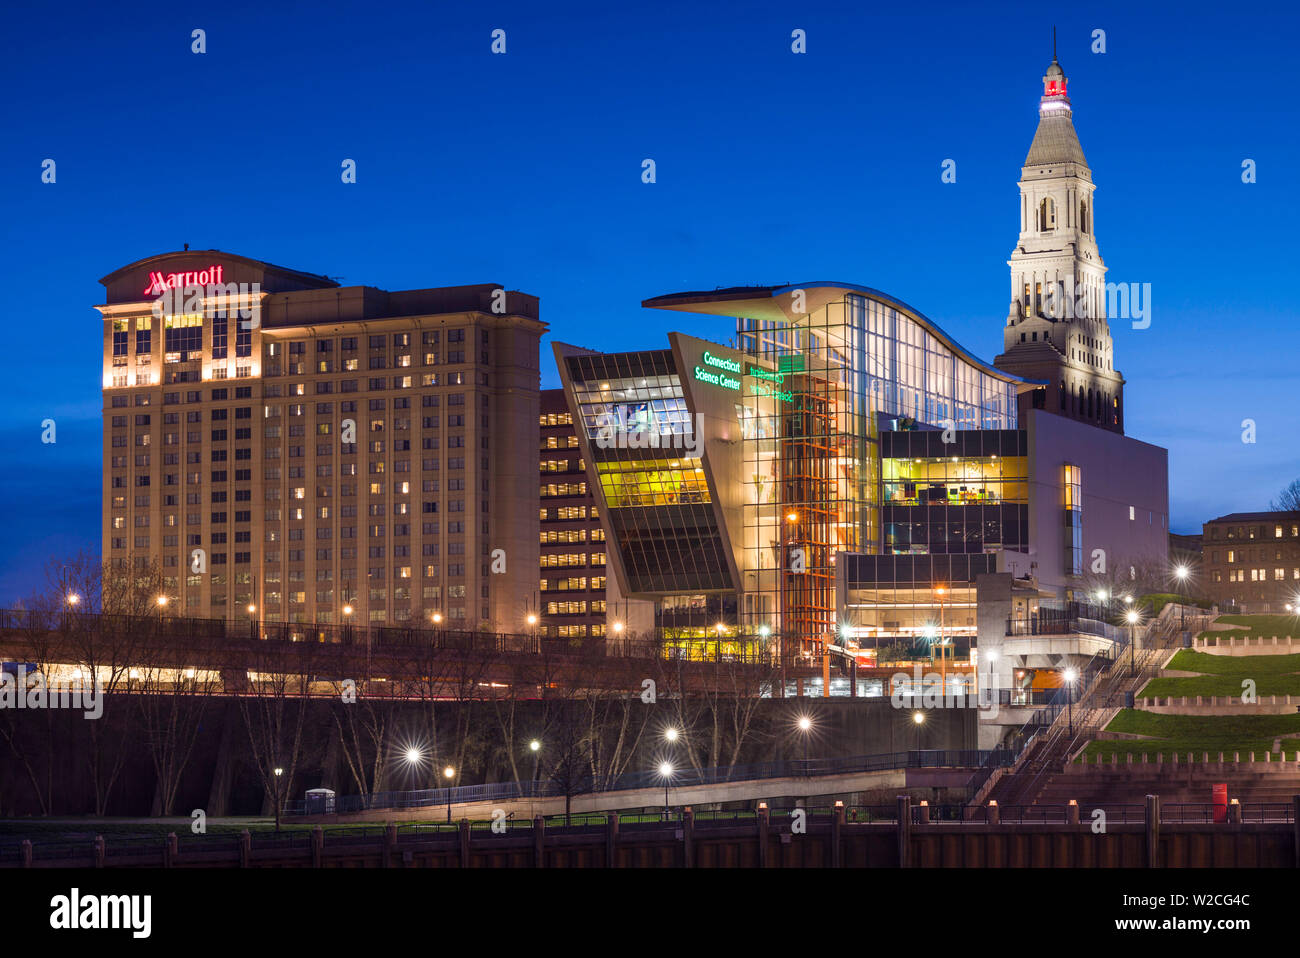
<point>1060,743</point>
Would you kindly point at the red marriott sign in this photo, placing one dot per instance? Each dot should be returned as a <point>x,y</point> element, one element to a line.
<point>161,281</point>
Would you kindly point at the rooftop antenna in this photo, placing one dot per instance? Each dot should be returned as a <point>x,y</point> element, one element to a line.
<point>1053,44</point>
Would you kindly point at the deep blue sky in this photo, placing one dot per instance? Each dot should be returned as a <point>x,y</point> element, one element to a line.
<point>524,170</point>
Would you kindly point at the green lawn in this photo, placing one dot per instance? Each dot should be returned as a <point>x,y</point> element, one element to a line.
<point>1158,600</point>
<point>1255,625</point>
<point>1180,734</point>
<point>1273,675</point>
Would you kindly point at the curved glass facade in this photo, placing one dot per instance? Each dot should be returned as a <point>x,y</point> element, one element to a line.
<point>893,358</point>
<point>822,386</point>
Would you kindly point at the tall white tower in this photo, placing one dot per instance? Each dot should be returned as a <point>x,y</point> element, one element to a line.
<point>1056,328</point>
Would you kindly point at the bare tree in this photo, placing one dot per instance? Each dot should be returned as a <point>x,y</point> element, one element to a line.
<point>362,730</point>
<point>1288,500</point>
<point>172,700</point>
<point>110,610</point>
<point>274,709</point>
<point>568,752</point>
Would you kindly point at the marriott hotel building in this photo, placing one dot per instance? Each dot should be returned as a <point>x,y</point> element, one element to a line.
<point>349,455</point>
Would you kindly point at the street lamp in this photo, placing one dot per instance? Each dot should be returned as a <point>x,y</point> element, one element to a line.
<point>449,773</point>
<point>162,601</point>
<point>1071,675</point>
<point>670,734</point>
<point>279,772</point>
<point>1132,617</point>
<point>536,748</point>
<point>1181,573</point>
<point>666,773</point>
<point>805,726</point>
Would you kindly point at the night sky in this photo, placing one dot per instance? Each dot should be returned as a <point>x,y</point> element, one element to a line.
<point>524,169</point>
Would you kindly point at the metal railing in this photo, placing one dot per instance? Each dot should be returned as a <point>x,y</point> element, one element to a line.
<point>548,788</point>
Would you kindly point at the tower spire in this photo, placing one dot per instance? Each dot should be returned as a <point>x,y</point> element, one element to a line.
<point>1053,43</point>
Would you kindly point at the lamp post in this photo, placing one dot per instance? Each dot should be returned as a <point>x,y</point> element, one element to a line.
<point>252,619</point>
<point>413,757</point>
<point>666,773</point>
<point>279,774</point>
<point>1071,675</point>
<point>805,726</point>
<point>536,748</point>
<point>1132,617</point>
<point>448,773</point>
<point>1181,573</point>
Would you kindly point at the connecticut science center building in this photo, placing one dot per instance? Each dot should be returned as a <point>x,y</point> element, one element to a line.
<point>849,475</point>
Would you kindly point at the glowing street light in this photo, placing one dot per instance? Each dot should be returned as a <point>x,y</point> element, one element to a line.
<point>918,718</point>
<point>449,773</point>
<point>437,618</point>
<point>1071,676</point>
<point>671,734</point>
<point>666,773</point>
<point>805,726</point>
<point>161,600</point>
<point>1181,573</point>
<point>1132,617</point>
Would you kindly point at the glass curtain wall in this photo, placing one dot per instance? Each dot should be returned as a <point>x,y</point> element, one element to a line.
<point>811,456</point>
